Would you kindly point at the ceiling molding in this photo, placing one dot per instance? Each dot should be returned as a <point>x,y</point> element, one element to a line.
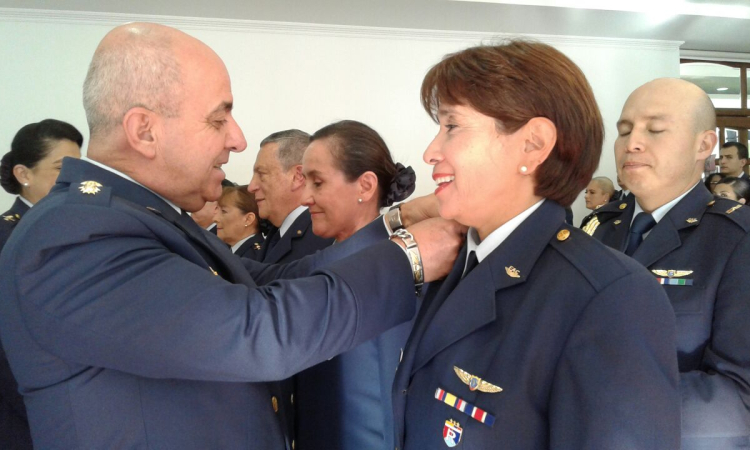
<point>715,56</point>
<point>234,25</point>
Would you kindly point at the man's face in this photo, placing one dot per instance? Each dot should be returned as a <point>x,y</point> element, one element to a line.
<point>595,195</point>
<point>198,141</point>
<point>272,185</point>
<point>657,148</point>
<point>730,162</point>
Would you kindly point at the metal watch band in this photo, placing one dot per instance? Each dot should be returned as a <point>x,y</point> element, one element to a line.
<point>393,220</point>
<point>415,258</point>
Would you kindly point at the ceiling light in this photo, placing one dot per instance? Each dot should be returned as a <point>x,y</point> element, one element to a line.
<point>722,89</point>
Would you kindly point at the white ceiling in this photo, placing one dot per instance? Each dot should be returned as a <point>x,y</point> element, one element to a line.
<point>699,23</point>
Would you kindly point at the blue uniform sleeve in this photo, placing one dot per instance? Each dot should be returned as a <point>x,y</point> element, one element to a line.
<point>112,294</point>
<point>616,384</point>
<point>716,397</point>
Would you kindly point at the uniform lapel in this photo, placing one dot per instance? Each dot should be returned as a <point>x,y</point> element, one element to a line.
<point>284,246</point>
<point>615,223</point>
<point>472,303</point>
<point>665,236</point>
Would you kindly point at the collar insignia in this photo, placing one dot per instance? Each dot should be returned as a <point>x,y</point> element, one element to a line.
<point>734,208</point>
<point>618,222</point>
<point>671,273</point>
<point>90,187</point>
<point>692,220</point>
<point>513,272</point>
<point>256,246</point>
<point>10,218</point>
<point>475,382</point>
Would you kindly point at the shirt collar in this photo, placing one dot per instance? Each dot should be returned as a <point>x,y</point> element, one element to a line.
<point>494,239</point>
<point>237,246</point>
<point>28,203</point>
<point>287,223</point>
<point>120,174</point>
<point>663,210</point>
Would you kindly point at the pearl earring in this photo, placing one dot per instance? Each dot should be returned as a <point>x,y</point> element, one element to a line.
<point>524,169</point>
<point>359,200</point>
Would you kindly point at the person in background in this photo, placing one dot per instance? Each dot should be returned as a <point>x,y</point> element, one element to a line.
<point>696,245</point>
<point>28,170</point>
<point>237,222</point>
<point>204,217</point>
<point>277,184</point>
<point>622,193</point>
<point>598,193</point>
<point>712,180</point>
<point>350,175</point>
<point>737,189</point>
<point>733,159</point>
<point>540,337</point>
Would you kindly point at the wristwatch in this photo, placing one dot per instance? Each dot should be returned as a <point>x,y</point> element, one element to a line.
<point>415,258</point>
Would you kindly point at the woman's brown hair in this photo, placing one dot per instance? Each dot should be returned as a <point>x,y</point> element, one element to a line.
<point>515,82</point>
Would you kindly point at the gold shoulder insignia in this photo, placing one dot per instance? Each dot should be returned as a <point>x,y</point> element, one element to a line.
<point>734,208</point>
<point>513,272</point>
<point>476,383</point>
<point>10,218</point>
<point>90,187</point>
<point>591,226</point>
<point>692,220</point>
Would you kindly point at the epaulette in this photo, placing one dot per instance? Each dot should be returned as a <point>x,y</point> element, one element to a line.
<point>579,248</point>
<point>736,212</point>
<point>591,226</point>
<point>89,192</point>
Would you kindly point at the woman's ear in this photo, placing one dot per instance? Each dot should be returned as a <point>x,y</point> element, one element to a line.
<point>541,137</point>
<point>742,200</point>
<point>22,174</point>
<point>250,219</point>
<point>140,131</point>
<point>368,185</point>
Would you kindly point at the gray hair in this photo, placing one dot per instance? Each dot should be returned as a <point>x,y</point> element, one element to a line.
<point>292,145</point>
<point>140,72</point>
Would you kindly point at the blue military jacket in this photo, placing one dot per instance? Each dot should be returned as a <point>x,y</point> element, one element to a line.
<point>700,251</point>
<point>128,326</point>
<point>252,248</point>
<point>298,241</point>
<point>579,338</point>
<point>14,426</point>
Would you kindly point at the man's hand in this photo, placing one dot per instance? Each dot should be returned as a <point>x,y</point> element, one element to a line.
<point>419,209</point>
<point>439,242</point>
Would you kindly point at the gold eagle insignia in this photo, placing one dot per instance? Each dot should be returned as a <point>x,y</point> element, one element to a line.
<point>692,220</point>
<point>10,218</point>
<point>476,383</point>
<point>513,272</point>
<point>671,273</point>
<point>90,187</point>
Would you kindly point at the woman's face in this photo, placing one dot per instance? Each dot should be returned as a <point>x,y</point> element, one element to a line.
<point>713,180</point>
<point>331,199</point>
<point>232,225</point>
<point>477,169</point>
<point>43,176</point>
<point>726,191</point>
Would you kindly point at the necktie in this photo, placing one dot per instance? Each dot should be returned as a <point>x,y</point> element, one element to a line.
<point>471,262</point>
<point>272,240</point>
<point>641,225</point>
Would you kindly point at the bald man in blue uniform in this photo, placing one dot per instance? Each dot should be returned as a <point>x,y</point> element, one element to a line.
<point>129,326</point>
<point>696,246</point>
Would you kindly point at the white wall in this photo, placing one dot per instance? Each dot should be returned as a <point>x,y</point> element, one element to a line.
<point>299,76</point>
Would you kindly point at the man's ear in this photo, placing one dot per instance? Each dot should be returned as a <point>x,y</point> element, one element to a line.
<point>707,142</point>
<point>140,131</point>
<point>541,137</point>
<point>298,179</point>
<point>368,185</point>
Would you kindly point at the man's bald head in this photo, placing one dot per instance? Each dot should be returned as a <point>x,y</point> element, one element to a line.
<point>136,64</point>
<point>692,99</point>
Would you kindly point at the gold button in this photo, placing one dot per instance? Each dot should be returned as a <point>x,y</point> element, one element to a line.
<point>299,232</point>
<point>623,205</point>
<point>563,235</point>
<point>275,404</point>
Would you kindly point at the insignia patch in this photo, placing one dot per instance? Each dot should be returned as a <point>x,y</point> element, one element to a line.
<point>470,410</point>
<point>671,273</point>
<point>563,235</point>
<point>90,187</point>
<point>734,208</point>
<point>692,220</point>
<point>256,246</point>
<point>452,433</point>
<point>513,272</point>
<point>475,382</point>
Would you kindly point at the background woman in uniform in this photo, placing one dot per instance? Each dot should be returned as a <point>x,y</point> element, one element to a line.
<point>237,222</point>
<point>540,337</point>
<point>344,403</point>
<point>28,170</point>
<point>737,189</point>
